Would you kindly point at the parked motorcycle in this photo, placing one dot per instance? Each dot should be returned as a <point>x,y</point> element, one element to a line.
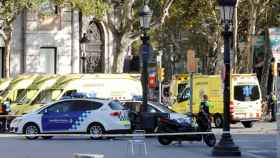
<point>202,124</point>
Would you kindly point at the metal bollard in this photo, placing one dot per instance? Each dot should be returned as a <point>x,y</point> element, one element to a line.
<point>278,135</point>
<point>78,155</point>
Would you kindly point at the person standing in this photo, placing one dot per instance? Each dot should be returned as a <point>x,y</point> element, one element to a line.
<point>204,105</point>
<point>273,103</point>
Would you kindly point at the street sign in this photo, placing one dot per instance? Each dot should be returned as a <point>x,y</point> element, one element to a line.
<point>152,81</point>
<point>274,40</point>
<point>191,61</point>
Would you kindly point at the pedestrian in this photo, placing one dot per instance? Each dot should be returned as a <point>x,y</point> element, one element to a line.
<point>265,109</point>
<point>204,104</point>
<point>273,102</point>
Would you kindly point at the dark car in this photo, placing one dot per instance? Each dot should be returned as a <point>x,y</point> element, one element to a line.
<point>154,111</point>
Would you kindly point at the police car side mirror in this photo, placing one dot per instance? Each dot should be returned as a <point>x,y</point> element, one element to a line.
<point>45,111</point>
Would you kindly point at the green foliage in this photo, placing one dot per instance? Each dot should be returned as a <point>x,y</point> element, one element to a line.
<point>11,8</point>
<point>90,7</point>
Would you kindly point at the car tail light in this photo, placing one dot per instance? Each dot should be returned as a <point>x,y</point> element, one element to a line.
<point>115,113</point>
<point>163,120</point>
<point>258,115</point>
<point>231,107</point>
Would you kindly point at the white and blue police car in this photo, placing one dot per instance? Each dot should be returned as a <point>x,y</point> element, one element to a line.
<point>91,116</point>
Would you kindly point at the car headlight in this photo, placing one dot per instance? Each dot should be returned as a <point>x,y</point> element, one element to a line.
<point>16,121</point>
<point>184,120</point>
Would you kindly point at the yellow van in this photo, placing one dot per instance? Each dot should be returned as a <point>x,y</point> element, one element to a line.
<point>4,84</point>
<point>203,84</point>
<point>51,93</point>
<point>113,86</point>
<point>245,96</point>
<point>22,103</point>
<point>15,88</point>
<point>178,84</point>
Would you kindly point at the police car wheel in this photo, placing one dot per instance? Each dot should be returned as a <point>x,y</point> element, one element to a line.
<point>30,129</point>
<point>96,129</point>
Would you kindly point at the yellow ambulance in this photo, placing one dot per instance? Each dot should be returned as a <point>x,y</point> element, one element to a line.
<point>245,96</point>
<point>15,88</point>
<point>22,103</point>
<point>202,84</point>
<point>107,86</point>
<point>4,84</point>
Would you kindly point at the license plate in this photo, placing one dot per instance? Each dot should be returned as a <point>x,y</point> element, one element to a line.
<point>126,123</point>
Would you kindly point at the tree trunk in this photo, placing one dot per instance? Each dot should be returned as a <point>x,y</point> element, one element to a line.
<point>121,52</point>
<point>266,66</point>
<point>235,27</point>
<point>251,32</point>
<point>7,54</point>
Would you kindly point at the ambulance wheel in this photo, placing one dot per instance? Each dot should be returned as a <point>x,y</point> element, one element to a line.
<point>95,129</point>
<point>30,129</point>
<point>47,137</point>
<point>218,121</point>
<point>247,124</point>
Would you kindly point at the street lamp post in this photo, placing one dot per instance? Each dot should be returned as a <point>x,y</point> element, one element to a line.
<point>226,146</point>
<point>83,42</point>
<point>145,19</point>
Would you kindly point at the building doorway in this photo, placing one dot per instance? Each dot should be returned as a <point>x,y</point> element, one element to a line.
<point>94,49</point>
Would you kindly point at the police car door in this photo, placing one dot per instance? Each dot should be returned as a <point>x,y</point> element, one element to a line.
<point>57,117</point>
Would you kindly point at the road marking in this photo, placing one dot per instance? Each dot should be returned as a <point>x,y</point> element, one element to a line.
<point>255,155</point>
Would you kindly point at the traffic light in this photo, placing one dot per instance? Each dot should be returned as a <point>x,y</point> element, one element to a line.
<point>160,72</point>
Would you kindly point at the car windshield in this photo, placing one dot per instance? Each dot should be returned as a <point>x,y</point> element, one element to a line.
<point>162,108</point>
<point>115,105</point>
<point>181,87</point>
<point>21,94</point>
<point>47,96</point>
<point>26,95</point>
<point>5,93</point>
<point>246,93</point>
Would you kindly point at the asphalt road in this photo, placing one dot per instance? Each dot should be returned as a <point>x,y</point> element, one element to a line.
<point>261,144</point>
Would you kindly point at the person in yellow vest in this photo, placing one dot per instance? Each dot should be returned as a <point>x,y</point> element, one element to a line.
<point>273,103</point>
<point>204,104</point>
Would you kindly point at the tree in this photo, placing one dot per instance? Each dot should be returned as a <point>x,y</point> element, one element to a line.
<point>125,28</point>
<point>262,15</point>
<point>247,30</point>
<point>9,11</point>
<point>198,22</point>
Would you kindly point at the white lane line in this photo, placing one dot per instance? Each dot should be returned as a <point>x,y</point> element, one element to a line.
<point>255,155</point>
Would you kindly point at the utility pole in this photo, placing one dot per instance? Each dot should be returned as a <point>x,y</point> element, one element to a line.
<point>159,68</point>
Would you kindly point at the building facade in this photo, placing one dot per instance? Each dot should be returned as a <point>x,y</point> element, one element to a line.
<point>49,41</point>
